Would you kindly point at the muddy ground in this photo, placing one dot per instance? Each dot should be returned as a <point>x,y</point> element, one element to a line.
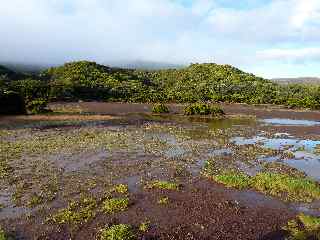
<point>83,150</point>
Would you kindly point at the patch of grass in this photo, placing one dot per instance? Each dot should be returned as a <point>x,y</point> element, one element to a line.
<point>5,169</point>
<point>163,200</point>
<point>304,228</point>
<point>233,179</point>
<point>160,108</point>
<point>117,232</point>
<point>286,187</point>
<point>163,185</point>
<point>121,188</point>
<point>35,201</point>
<point>144,226</point>
<point>2,235</point>
<point>203,109</point>
<point>115,205</point>
<point>5,236</point>
<point>76,212</point>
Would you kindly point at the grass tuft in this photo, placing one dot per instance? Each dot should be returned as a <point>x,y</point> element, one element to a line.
<point>233,179</point>
<point>163,201</point>
<point>163,185</point>
<point>115,205</point>
<point>117,232</point>
<point>144,226</point>
<point>76,212</point>
<point>304,228</point>
<point>160,108</point>
<point>286,187</point>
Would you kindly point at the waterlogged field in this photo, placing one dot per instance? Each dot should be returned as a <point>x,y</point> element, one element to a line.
<point>144,176</point>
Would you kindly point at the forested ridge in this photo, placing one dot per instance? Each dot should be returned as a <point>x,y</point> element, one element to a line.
<point>84,80</point>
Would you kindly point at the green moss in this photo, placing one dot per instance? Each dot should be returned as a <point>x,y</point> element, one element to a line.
<point>115,205</point>
<point>163,185</point>
<point>203,109</point>
<point>160,108</point>
<point>121,188</point>
<point>2,235</point>
<point>286,187</point>
<point>233,179</point>
<point>5,169</point>
<point>35,201</point>
<point>304,228</point>
<point>76,212</point>
<point>163,200</point>
<point>144,226</point>
<point>117,232</point>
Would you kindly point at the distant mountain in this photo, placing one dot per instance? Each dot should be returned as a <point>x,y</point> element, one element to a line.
<point>9,74</point>
<point>24,67</point>
<point>146,65</point>
<point>305,80</point>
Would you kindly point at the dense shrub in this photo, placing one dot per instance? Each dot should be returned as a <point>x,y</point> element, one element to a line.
<point>38,106</point>
<point>203,109</point>
<point>207,82</point>
<point>160,108</point>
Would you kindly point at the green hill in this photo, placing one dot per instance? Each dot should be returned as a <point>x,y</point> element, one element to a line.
<point>198,82</point>
<point>8,74</point>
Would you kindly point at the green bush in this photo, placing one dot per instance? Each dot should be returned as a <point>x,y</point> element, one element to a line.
<point>37,106</point>
<point>160,108</point>
<point>203,109</point>
<point>117,232</point>
<point>212,82</point>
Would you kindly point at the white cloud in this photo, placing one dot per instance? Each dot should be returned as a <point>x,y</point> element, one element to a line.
<point>294,55</point>
<point>54,31</point>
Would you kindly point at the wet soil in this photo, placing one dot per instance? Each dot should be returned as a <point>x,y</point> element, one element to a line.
<point>89,147</point>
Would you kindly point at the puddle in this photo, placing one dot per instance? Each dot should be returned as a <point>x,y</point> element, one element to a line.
<point>304,157</point>
<point>284,121</point>
<point>221,152</point>
<point>279,143</point>
<point>310,166</point>
<point>10,210</point>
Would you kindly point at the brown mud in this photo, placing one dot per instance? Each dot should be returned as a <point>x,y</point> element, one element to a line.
<point>84,149</point>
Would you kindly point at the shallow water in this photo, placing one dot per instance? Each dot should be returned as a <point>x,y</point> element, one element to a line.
<point>164,145</point>
<point>303,151</point>
<point>283,121</point>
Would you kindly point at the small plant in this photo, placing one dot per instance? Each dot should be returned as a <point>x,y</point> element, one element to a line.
<point>2,235</point>
<point>203,109</point>
<point>160,108</point>
<point>114,205</point>
<point>117,232</point>
<point>35,201</point>
<point>76,212</point>
<point>304,228</point>
<point>37,106</point>
<point>163,201</point>
<point>163,185</point>
<point>233,179</point>
<point>144,226</point>
<point>121,188</point>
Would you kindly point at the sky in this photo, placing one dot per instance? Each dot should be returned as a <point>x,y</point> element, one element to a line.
<point>270,38</point>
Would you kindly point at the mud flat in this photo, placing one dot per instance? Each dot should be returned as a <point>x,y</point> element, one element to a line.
<point>91,168</point>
